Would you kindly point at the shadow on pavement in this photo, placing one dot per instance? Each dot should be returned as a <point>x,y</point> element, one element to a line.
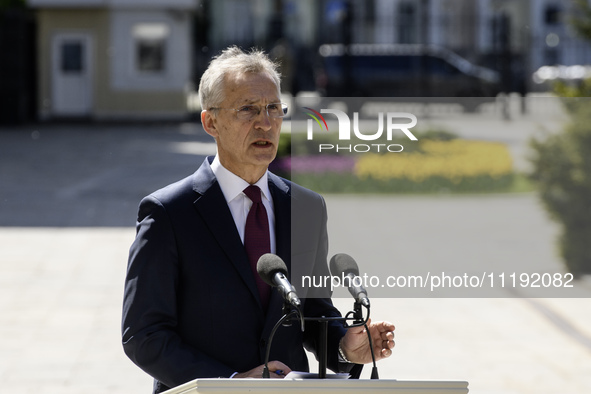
<point>88,175</point>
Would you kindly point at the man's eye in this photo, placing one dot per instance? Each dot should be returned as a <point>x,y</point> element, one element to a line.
<point>273,107</point>
<point>248,109</point>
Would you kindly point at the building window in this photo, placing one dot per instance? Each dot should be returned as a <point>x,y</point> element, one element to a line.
<point>241,29</point>
<point>150,47</point>
<point>370,11</point>
<point>406,23</point>
<point>552,15</point>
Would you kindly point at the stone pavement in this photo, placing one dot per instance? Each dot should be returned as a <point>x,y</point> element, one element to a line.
<point>68,196</point>
<point>60,297</point>
<point>499,345</point>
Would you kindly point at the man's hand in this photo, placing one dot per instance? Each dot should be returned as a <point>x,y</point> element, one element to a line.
<point>355,344</point>
<point>277,370</point>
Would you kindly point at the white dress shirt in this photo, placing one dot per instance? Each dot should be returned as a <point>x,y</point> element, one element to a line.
<point>232,187</point>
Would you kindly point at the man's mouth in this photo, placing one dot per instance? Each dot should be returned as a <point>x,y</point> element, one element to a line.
<point>261,143</point>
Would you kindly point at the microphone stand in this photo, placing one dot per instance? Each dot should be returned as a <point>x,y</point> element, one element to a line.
<point>374,370</point>
<point>287,313</point>
<point>357,315</point>
<point>323,345</point>
<point>357,320</point>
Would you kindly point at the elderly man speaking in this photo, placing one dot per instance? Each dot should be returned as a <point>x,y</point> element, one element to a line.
<point>194,306</point>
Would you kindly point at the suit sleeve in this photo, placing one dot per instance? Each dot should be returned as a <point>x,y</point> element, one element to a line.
<point>322,306</point>
<point>150,318</point>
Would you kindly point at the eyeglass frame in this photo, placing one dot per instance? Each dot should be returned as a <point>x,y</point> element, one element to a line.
<point>284,109</point>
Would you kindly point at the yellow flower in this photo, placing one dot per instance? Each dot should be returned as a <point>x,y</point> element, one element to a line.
<point>453,160</point>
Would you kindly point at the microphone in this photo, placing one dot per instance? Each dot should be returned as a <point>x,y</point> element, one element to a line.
<point>344,266</point>
<point>273,272</point>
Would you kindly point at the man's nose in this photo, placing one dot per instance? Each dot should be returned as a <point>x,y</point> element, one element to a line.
<point>263,120</point>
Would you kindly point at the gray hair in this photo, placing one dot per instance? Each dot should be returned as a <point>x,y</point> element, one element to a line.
<point>233,60</point>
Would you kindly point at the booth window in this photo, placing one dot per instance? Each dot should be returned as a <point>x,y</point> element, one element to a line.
<point>150,47</point>
<point>71,57</point>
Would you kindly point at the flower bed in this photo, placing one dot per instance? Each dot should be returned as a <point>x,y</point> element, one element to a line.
<point>434,166</point>
<point>453,160</point>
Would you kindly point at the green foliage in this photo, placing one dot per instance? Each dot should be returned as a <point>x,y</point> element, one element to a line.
<point>349,183</point>
<point>4,4</point>
<point>562,171</point>
<point>562,164</point>
<point>564,90</point>
<point>581,19</point>
<point>284,148</point>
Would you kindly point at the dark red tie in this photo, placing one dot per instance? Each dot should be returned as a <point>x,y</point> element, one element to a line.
<point>257,239</point>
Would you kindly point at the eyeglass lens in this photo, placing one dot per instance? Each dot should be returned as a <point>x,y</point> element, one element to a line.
<point>274,110</point>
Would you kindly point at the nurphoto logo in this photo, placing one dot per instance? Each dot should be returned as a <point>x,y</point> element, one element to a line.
<point>396,122</point>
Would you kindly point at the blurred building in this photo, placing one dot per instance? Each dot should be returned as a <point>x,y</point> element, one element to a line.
<point>553,41</point>
<point>139,59</point>
<point>513,37</point>
<point>107,59</point>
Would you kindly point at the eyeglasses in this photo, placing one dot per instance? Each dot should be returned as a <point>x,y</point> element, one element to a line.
<point>249,112</point>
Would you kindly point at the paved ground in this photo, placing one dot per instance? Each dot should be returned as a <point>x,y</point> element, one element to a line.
<point>68,196</point>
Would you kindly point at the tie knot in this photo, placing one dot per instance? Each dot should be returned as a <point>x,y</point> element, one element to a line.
<point>254,193</point>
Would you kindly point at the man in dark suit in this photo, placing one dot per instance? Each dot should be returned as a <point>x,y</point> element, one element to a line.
<point>193,307</point>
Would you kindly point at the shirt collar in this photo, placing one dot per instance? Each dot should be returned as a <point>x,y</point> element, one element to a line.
<point>232,185</point>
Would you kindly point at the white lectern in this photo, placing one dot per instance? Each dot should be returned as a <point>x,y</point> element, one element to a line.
<point>319,386</point>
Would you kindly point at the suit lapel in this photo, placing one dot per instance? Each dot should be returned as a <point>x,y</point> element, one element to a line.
<point>212,207</point>
<point>282,205</point>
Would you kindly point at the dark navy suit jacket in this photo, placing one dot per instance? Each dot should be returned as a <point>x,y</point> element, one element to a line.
<point>191,307</point>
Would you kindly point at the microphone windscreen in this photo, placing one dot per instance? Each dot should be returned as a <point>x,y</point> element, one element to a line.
<point>268,265</point>
<point>342,263</point>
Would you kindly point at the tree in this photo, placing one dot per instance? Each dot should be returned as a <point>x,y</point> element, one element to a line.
<point>581,19</point>
<point>5,4</point>
<point>562,171</point>
<point>562,164</point>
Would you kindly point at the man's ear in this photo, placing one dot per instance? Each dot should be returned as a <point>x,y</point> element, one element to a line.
<point>208,123</point>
